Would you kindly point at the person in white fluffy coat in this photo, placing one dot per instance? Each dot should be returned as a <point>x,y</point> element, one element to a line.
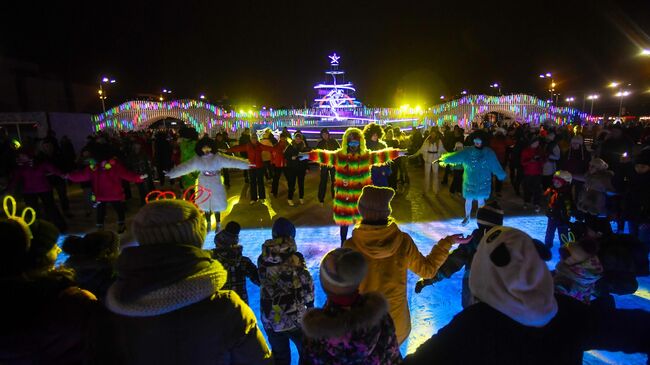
<point>209,164</point>
<point>431,151</point>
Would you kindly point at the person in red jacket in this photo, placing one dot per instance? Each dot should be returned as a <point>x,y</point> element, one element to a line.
<point>106,174</point>
<point>32,175</point>
<point>532,161</point>
<point>279,164</point>
<point>254,151</point>
<point>500,144</point>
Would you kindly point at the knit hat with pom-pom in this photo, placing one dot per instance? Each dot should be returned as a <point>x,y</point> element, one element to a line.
<point>170,221</point>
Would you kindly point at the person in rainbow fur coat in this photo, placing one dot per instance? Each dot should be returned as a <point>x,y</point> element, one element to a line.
<point>352,163</point>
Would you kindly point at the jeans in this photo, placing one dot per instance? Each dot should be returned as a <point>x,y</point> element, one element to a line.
<point>325,173</point>
<point>257,183</point>
<point>293,175</point>
<point>277,173</point>
<point>280,346</point>
<point>532,188</point>
<point>552,226</point>
<point>516,176</point>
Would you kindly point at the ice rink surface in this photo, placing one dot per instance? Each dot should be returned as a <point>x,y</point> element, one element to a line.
<point>437,304</point>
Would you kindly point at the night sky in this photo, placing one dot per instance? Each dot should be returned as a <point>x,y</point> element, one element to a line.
<point>272,53</point>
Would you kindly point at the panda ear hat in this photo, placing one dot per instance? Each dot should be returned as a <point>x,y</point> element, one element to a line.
<point>509,275</point>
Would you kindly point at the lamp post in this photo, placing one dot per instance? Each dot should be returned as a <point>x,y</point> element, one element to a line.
<point>551,88</point>
<point>621,94</point>
<point>570,100</point>
<point>202,97</point>
<point>162,95</point>
<point>592,97</point>
<point>497,86</point>
<point>101,92</point>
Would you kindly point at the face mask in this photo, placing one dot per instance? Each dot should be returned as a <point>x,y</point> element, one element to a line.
<point>353,143</point>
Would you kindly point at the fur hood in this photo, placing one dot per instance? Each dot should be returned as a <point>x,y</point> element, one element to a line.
<point>362,140</point>
<point>367,313</point>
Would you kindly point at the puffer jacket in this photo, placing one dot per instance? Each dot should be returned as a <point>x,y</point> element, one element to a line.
<point>360,334</point>
<point>390,253</point>
<point>239,267</point>
<point>286,286</point>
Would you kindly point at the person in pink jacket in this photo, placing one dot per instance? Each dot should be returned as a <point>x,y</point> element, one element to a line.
<point>106,178</point>
<point>31,174</point>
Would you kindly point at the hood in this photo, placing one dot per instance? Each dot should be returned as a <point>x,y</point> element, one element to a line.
<point>377,242</point>
<point>278,249</point>
<point>229,253</point>
<point>362,140</point>
<point>333,322</point>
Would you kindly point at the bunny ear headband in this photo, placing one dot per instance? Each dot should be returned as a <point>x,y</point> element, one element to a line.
<point>195,194</point>
<point>26,218</point>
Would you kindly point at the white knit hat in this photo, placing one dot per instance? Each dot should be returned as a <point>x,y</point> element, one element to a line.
<point>509,275</point>
<point>170,221</point>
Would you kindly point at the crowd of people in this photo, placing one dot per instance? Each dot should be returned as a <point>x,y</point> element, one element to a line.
<point>167,300</point>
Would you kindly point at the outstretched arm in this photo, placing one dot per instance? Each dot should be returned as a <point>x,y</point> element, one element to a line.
<point>382,157</point>
<point>453,158</point>
<point>185,168</point>
<point>427,266</point>
<point>323,157</point>
<point>229,162</point>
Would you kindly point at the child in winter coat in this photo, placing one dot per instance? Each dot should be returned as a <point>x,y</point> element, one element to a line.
<point>286,290</point>
<point>391,253</point>
<point>229,253</point>
<point>560,206</point>
<point>92,257</point>
<point>351,328</point>
<point>579,268</point>
<point>487,216</point>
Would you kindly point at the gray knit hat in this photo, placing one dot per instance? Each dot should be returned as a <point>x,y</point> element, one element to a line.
<point>342,270</point>
<point>170,221</point>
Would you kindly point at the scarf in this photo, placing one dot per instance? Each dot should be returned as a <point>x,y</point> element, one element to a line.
<point>158,279</point>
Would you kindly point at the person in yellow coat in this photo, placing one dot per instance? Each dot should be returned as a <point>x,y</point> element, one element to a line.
<point>390,253</point>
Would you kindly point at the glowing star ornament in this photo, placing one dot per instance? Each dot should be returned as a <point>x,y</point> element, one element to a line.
<point>334,59</point>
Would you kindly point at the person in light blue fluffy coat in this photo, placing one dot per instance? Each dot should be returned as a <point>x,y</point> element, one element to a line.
<point>479,163</point>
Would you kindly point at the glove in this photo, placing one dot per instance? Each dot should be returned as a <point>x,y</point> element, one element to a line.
<point>424,282</point>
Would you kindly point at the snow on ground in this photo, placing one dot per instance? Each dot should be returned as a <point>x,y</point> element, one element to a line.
<point>437,304</point>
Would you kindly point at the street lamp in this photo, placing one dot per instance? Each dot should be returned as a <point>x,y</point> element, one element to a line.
<point>621,94</point>
<point>570,100</point>
<point>442,97</point>
<point>496,86</point>
<point>645,52</point>
<point>164,91</point>
<point>101,92</point>
<point>592,97</point>
<point>551,89</point>
<point>464,92</point>
<point>202,97</point>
